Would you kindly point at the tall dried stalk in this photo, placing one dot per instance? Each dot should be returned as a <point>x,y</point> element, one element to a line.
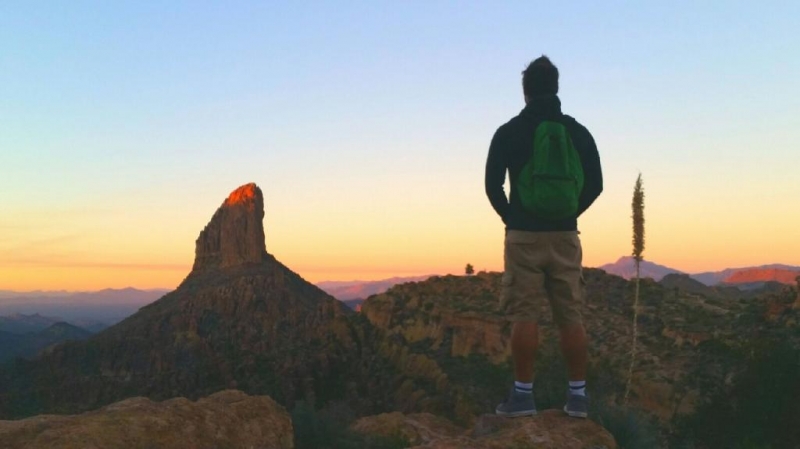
<point>638,247</point>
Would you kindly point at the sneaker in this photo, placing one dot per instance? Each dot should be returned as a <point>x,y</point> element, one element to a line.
<point>577,406</point>
<point>518,404</point>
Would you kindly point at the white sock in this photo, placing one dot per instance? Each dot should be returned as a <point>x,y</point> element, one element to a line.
<point>577,387</point>
<point>522,387</point>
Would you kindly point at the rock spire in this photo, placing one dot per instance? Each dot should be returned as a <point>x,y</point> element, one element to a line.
<point>235,234</point>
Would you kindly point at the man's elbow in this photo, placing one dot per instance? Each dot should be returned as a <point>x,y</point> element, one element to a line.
<point>598,185</point>
<point>493,189</point>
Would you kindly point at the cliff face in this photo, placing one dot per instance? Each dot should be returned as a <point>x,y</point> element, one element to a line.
<point>225,419</point>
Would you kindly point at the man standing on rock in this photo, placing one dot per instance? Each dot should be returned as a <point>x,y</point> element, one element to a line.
<point>554,173</point>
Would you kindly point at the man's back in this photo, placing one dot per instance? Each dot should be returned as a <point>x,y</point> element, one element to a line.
<point>510,150</point>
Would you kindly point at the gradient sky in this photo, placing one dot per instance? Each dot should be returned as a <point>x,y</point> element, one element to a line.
<point>366,124</point>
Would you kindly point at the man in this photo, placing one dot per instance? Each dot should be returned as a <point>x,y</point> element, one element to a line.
<point>542,249</point>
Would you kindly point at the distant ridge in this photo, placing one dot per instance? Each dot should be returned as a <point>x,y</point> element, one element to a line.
<point>107,305</point>
<point>29,344</point>
<point>624,267</point>
<point>5,294</point>
<point>350,290</point>
<point>785,274</point>
<point>19,323</point>
<point>731,275</point>
<point>782,275</point>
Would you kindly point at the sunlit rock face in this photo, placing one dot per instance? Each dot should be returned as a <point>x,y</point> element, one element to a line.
<point>784,276</point>
<point>235,234</point>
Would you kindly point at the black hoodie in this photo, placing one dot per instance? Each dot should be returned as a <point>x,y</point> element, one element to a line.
<point>510,149</point>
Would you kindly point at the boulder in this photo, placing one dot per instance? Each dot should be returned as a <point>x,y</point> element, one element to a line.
<point>229,419</point>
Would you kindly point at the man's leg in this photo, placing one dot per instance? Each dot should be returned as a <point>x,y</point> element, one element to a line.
<point>523,290</point>
<point>574,346</point>
<point>565,285</point>
<point>524,343</point>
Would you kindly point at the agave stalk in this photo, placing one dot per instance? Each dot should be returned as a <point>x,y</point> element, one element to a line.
<point>638,247</point>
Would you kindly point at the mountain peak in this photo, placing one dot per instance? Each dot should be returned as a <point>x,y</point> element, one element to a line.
<point>235,234</point>
<point>626,268</point>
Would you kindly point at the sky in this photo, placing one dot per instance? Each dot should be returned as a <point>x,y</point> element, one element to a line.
<point>124,125</point>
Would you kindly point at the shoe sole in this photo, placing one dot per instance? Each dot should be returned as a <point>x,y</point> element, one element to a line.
<point>575,414</point>
<point>515,414</point>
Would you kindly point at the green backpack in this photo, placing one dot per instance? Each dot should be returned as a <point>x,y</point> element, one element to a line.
<point>552,180</point>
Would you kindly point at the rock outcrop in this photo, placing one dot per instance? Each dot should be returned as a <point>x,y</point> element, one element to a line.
<point>434,330</point>
<point>550,429</point>
<point>225,419</point>
<point>235,234</point>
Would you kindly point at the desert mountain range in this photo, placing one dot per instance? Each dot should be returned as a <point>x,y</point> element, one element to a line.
<point>432,355</point>
<point>785,274</point>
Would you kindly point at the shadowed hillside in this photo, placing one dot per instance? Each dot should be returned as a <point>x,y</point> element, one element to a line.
<point>27,345</point>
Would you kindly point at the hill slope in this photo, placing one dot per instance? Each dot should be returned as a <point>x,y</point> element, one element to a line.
<point>21,324</point>
<point>448,336</point>
<point>29,344</point>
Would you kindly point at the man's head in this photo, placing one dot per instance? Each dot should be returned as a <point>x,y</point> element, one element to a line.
<point>540,78</point>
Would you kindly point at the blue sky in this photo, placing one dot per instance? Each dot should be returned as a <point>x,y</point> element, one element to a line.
<point>366,124</point>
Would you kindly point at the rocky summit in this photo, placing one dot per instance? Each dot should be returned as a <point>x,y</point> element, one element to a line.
<point>225,419</point>
<point>548,430</point>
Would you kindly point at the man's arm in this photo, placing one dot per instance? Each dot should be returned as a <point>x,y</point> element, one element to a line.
<point>496,166</point>
<point>592,175</point>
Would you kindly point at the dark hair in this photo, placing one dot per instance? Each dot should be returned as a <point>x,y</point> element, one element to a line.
<point>540,78</point>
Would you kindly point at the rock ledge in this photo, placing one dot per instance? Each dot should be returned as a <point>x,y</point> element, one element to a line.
<point>226,419</point>
<point>551,429</point>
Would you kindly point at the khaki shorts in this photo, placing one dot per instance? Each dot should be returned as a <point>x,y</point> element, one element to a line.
<point>542,267</point>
